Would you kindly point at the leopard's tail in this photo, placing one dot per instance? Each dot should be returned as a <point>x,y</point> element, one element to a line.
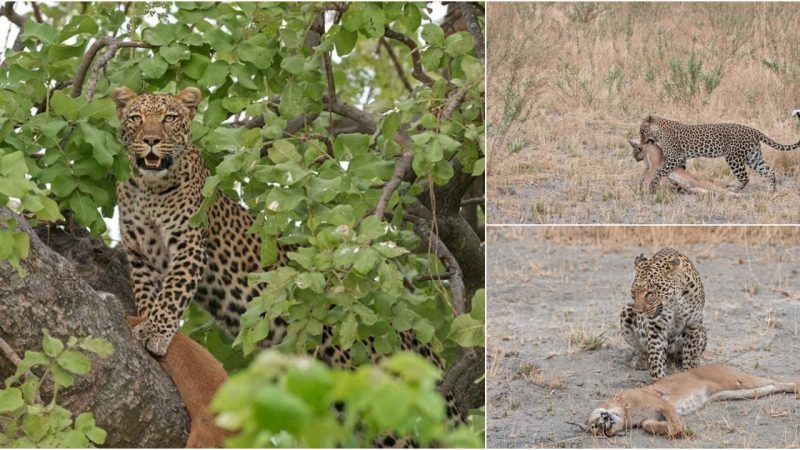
<point>782,147</point>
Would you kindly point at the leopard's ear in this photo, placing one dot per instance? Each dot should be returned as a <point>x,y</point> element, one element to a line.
<point>675,262</point>
<point>122,96</point>
<point>639,259</point>
<point>190,97</point>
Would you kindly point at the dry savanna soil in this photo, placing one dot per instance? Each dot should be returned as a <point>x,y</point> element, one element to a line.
<point>555,352</point>
<point>570,83</point>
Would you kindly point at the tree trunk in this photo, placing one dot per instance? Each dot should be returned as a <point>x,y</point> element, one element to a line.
<point>131,397</point>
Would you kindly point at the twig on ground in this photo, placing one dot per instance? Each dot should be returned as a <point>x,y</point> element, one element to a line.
<point>418,72</point>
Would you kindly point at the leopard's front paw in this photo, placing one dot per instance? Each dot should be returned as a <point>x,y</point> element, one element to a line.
<point>155,342</point>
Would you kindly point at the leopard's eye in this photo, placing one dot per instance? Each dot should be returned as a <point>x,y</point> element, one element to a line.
<point>135,118</point>
<point>648,296</point>
<point>170,118</point>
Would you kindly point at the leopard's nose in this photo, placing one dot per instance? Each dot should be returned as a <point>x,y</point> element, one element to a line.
<point>151,140</point>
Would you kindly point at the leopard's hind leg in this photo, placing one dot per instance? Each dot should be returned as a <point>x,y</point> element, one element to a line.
<point>755,159</point>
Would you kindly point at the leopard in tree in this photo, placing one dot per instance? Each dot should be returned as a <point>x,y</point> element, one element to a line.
<point>173,262</point>
<point>740,145</point>
<point>666,317</point>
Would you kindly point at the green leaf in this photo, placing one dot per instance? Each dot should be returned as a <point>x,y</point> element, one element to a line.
<point>174,53</point>
<point>31,359</point>
<point>98,141</point>
<point>62,377</point>
<point>64,105</point>
<point>466,331</point>
<point>374,20</point>
<point>433,34</point>
<point>472,67</point>
<point>100,346</point>
<point>348,331</point>
<point>293,65</point>
<point>102,108</point>
<point>10,399</point>
<point>52,346</point>
<point>214,75</point>
<point>458,43</point>
<point>42,31</point>
<point>366,260</point>
<point>161,34</point>
<point>74,362</point>
<point>153,67</point>
<point>77,25</point>
<point>345,41</point>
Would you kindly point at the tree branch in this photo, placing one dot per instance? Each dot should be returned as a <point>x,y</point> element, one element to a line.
<point>400,168</point>
<point>419,72</point>
<point>462,365</point>
<point>19,21</point>
<point>83,68</point>
<point>473,26</point>
<point>400,72</point>
<point>37,14</point>
<point>423,229</point>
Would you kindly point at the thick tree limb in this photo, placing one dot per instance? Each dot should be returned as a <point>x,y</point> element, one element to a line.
<point>131,397</point>
<point>467,358</point>
<point>418,72</point>
<point>470,16</point>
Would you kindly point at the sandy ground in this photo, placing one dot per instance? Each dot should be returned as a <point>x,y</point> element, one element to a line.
<point>545,299</point>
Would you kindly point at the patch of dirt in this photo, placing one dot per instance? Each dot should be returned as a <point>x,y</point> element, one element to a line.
<point>547,300</point>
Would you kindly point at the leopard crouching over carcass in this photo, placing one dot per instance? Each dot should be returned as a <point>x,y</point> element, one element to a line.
<point>666,317</point>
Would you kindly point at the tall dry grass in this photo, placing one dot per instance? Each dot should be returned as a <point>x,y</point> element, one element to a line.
<point>568,83</point>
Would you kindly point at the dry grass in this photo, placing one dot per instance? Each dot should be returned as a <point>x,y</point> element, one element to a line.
<point>610,237</point>
<point>569,83</point>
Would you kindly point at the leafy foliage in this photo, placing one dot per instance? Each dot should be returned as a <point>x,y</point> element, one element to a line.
<point>30,422</point>
<point>399,396</point>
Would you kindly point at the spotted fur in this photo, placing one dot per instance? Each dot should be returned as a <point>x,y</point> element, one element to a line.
<point>666,317</point>
<point>740,145</point>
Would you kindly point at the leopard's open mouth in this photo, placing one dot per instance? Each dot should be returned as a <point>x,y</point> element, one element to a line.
<point>151,161</point>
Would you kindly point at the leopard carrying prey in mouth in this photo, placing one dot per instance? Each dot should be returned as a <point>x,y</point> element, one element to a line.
<point>656,408</point>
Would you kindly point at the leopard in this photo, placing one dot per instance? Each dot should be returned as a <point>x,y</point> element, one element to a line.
<point>739,144</point>
<point>173,262</point>
<point>657,408</point>
<point>666,316</point>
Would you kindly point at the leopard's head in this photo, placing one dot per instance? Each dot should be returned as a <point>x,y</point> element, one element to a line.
<point>604,421</point>
<point>653,283</point>
<point>650,131</point>
<point>156,128</point>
